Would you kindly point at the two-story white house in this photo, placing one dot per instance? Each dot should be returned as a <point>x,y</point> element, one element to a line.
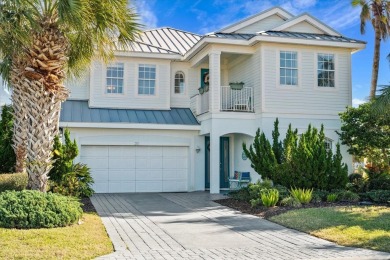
<point>162,116</point>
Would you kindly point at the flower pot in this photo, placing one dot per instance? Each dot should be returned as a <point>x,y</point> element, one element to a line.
<point>201,90</point>
<point>236,86</point>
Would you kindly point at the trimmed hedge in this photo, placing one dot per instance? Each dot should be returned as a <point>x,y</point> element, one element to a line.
<point>33,209</point>
<point>13,181</point>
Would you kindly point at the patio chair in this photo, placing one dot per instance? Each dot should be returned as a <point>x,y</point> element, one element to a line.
<point>239,180</point>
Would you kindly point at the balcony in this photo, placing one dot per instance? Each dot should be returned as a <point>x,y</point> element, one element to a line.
<point>199,104</point>
<point>231,100</point>
<point>237,100</point>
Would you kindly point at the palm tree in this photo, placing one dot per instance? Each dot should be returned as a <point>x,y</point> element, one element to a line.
<point>41,43</point>
<point>378,12</point>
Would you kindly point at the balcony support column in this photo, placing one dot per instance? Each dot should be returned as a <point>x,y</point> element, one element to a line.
<point>215,80</point>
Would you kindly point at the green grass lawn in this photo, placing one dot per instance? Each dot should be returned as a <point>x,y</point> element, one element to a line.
<point>84,241</point>
<point>367,227</point>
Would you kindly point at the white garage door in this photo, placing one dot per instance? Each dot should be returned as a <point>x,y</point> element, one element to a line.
<point>137,168</point>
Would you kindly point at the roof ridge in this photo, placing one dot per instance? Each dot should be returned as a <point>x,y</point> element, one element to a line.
<point>171,28</point>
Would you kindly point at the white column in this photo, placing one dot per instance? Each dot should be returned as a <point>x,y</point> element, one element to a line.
<point>214,163</point>
<point>215,80</point>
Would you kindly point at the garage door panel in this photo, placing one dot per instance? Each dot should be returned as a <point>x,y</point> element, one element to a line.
<point>121,163</point>
<point>148,186</point>
<point>137,168</point>
<point>122,151</point>
<point>94,150</point>
<point>100,186</point>
<point>96,162</point>
<point>148,175</point>
<point>121,186</point>
<point>174,174</point>
<point>172,186</point>
<point>122,175</point>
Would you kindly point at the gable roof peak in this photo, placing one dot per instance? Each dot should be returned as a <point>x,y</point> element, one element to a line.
<point>257,17</point>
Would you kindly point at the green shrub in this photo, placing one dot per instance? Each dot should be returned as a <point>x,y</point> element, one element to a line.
<point>66,177</point>
<point>283,191</point>
<point>269,197</point>
<point>290,202</point>
<point>348,196</point>
<point>13,181</point>
<point>299,160</point>
<point>304,196</point>
<point>7,154</point>
<point>241,194</point>
<point>355,177</point>
<point>34,209</point>
<point>331,197</point>
<point>75,183</point>
<point>379,196</point>
<point>379,181</point>
<point>255,188</point>
<point>319,195</point>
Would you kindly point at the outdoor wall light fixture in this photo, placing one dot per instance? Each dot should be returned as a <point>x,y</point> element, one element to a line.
<point>197,149</point>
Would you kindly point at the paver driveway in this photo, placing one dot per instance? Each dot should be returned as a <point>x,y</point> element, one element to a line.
<point>192,226</point>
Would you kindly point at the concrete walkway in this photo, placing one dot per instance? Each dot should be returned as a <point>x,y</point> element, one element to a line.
<point>191,226</point>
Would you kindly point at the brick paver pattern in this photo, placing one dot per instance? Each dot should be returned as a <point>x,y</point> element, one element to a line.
<point>192,226</point>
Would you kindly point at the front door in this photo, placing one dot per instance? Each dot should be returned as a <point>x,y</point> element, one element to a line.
<point>223,163</point>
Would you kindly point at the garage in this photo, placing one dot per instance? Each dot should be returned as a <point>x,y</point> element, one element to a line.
<point>128,168</point>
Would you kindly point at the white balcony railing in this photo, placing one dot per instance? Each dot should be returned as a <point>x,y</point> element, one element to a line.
<point>199,103</point>
<point>236,100</point>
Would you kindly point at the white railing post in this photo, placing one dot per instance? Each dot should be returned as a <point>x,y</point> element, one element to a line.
<point>237,99</point>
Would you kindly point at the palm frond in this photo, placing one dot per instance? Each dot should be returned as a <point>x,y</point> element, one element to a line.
<point>381,103</point>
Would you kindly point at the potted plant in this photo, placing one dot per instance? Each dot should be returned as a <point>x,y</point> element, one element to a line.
<point>201,90</point>
<point>236,85</point>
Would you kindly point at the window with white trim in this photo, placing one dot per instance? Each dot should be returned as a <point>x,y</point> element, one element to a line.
<point>146,79</point>
<point>328,144</point>
<point>179,82</point>
<point>114,78</point>
<point>289,68</point>
<point>325,70</point>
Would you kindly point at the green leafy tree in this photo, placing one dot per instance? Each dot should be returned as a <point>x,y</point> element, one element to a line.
<point>7,154</point>
<point>41,43</point>
<point>366,135</point>
<point>378,13</point>
<point>277,146</point>
<point>338,172</point>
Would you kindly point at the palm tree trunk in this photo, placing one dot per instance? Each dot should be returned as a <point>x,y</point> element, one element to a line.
<point>375,66</point>
<point>20,117</point>
<point>42,79</point>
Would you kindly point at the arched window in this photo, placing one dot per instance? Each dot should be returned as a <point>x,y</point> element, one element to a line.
<point>179,82</point>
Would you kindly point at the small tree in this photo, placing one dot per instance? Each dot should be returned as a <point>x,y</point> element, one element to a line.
<point>366,135</point>
<point>261,155</point>
<point>7,154</point>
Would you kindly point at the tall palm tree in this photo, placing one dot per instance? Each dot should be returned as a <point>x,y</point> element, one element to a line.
<point>42,42</point>
<point>378,12</point>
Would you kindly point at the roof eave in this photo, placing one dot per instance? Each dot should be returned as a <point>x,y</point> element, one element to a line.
<point>169,56</point>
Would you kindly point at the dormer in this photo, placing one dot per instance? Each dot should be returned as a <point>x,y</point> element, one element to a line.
<point>263,21</point>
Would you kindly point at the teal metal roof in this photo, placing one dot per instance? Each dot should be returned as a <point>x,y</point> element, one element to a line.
<point>79,111</point>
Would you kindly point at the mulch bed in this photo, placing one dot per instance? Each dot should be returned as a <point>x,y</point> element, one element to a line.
<point>87,205</point>
<point>267,213</point>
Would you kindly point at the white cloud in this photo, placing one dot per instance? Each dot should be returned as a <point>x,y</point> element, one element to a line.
<point>356,102</point>
<point>144,9</point>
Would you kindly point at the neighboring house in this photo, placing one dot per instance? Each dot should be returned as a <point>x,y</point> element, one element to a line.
<point>142,125</point>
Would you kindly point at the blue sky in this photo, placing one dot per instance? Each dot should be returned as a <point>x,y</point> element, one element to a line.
<point>203,16</point>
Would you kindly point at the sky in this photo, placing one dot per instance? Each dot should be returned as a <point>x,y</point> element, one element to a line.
<point>204,16</point>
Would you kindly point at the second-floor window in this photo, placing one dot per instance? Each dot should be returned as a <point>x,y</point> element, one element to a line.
<point>325,70</point>
<point>179,82</point>
<point>288,68</point>
<point>328,144</point>
<point>146,79</point>
<point>114,78</point>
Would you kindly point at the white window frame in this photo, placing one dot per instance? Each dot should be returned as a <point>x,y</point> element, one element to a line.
<point>326,70</point>
<point>182,88</point>
<point>149,79</point>
<point>119,67</point>
<point>288,68</point>
<point>328,144</point>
